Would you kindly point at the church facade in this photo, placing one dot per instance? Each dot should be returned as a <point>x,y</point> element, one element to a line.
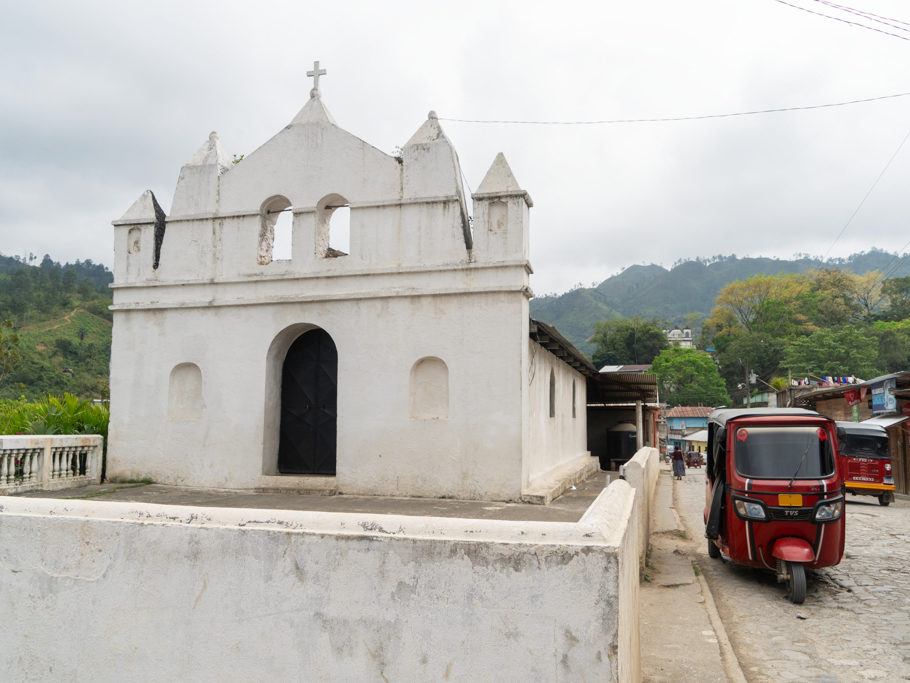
<point>403,363</point>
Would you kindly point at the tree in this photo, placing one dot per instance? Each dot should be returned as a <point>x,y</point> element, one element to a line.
<point>869,293</point>
<point>9,348</point>
<point>689,377</point>
<point>893,345</point>
<point>833,352</point>
<point>622,341</point>
<point>897,290</point>
<point>753,321</point>
<point>833,297</point>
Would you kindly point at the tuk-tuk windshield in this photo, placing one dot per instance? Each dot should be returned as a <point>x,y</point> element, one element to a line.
<point>783,452</point>
<point>865,446</point>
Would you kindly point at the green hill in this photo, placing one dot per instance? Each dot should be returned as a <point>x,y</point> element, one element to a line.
<point>688,287</point>
<point>60,314</point>
<point>70,353</point>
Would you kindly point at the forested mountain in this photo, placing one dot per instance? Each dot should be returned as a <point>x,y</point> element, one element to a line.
<point>689,287</point>
<point>61,327</point>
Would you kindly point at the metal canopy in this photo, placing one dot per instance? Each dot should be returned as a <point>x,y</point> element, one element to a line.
<point>622,387</point>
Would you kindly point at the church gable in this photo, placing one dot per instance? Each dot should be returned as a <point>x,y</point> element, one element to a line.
<point>227,220</point>
<point>306,161</point>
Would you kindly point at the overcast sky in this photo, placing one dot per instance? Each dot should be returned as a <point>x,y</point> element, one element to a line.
<point>103,100</point>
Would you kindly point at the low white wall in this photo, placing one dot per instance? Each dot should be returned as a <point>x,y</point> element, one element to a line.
<point>642,472</point>
<point>128,591</point>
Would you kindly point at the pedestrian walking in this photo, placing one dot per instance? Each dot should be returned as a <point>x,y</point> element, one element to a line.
<point>679,463</point>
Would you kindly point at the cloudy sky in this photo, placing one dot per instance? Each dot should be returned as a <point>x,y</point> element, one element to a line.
<point>101,100</point>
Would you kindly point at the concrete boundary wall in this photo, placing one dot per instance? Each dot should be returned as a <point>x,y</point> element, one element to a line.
<point>642,472</point>
<point>131,591</point>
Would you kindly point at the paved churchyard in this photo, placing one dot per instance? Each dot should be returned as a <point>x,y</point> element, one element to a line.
<point>855,622</point>
<point>569,507</point>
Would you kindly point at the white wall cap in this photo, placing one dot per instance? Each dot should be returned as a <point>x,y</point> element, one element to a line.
<point>384,526</point>
<point>428,133</point>
<point>499,178</point>
<point>313,111</point>
<point>142,210</point>
<point>212,153</point>
<point>500,181</point>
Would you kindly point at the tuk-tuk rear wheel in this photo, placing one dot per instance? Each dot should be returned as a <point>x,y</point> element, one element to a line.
<point>796,582</point>
<point>884,499</point>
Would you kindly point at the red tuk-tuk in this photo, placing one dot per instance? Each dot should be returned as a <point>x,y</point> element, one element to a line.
<point>694,459</point>
<point>866,460</point>
<point>774,494</point>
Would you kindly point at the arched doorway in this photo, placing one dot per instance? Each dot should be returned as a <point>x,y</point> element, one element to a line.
<point>309,397</point>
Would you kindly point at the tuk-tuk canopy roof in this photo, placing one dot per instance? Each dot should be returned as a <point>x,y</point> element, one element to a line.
<point>868,428</point>
<point>721,415</point>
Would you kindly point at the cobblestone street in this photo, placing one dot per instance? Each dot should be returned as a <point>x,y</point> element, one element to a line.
<point>855,622</point>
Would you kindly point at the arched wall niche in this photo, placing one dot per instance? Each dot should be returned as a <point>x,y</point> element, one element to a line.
<point>184,396</point>
<point>552,393</point>
<point>134,241</point>
<point>429,389</point>
<point>499,216</point>
<point>333,227</point>
<point>276,220</point>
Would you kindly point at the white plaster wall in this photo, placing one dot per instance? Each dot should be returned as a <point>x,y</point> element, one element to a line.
<point>117,591</point>
<point>559,439</point>
<point>475,453</point>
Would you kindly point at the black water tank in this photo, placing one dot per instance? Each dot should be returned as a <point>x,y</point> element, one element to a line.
<point>622,443</point>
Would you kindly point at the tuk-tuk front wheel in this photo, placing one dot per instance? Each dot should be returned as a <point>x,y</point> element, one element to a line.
<point>796,582</point>
<point>713,550</point>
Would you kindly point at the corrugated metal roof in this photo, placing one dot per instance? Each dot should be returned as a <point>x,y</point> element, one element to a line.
<point>884,421</point>
<point>690,411</point>
<point>622,387</point>
<point>602,387</point>
<point>626,368</point>
<point>822,393</point>
<point>700,435</point>
<point>550,338</point>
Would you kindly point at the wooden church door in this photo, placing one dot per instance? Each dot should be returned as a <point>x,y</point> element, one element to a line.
<point>309,397</point>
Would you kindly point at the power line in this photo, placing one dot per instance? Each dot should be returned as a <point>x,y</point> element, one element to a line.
<point>664,119</point>
<point>887,21</point>
<point>845,21</point>
<point>856,211</point>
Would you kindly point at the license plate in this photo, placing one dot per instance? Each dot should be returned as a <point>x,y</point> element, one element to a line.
<point>790,499</point>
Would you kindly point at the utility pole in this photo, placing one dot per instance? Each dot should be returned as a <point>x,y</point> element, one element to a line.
<point>746,384</point>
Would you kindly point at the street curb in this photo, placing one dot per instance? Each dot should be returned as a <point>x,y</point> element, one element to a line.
<point>728,656</point>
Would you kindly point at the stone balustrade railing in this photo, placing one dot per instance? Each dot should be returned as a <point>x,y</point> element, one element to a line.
<point>49,462</point>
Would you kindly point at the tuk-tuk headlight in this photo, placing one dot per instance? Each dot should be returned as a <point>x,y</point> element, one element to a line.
<point>748,509</point>
<point>830,511</point>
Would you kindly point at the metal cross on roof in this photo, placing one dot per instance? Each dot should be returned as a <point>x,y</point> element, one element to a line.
<point>315,73</point>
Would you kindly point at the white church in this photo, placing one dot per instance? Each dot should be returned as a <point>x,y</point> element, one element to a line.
<point>401,364</point>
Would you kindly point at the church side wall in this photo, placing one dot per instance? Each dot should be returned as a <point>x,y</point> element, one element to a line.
<point>190,593</point>
<point>194,399</point>
<point>561,437</point>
